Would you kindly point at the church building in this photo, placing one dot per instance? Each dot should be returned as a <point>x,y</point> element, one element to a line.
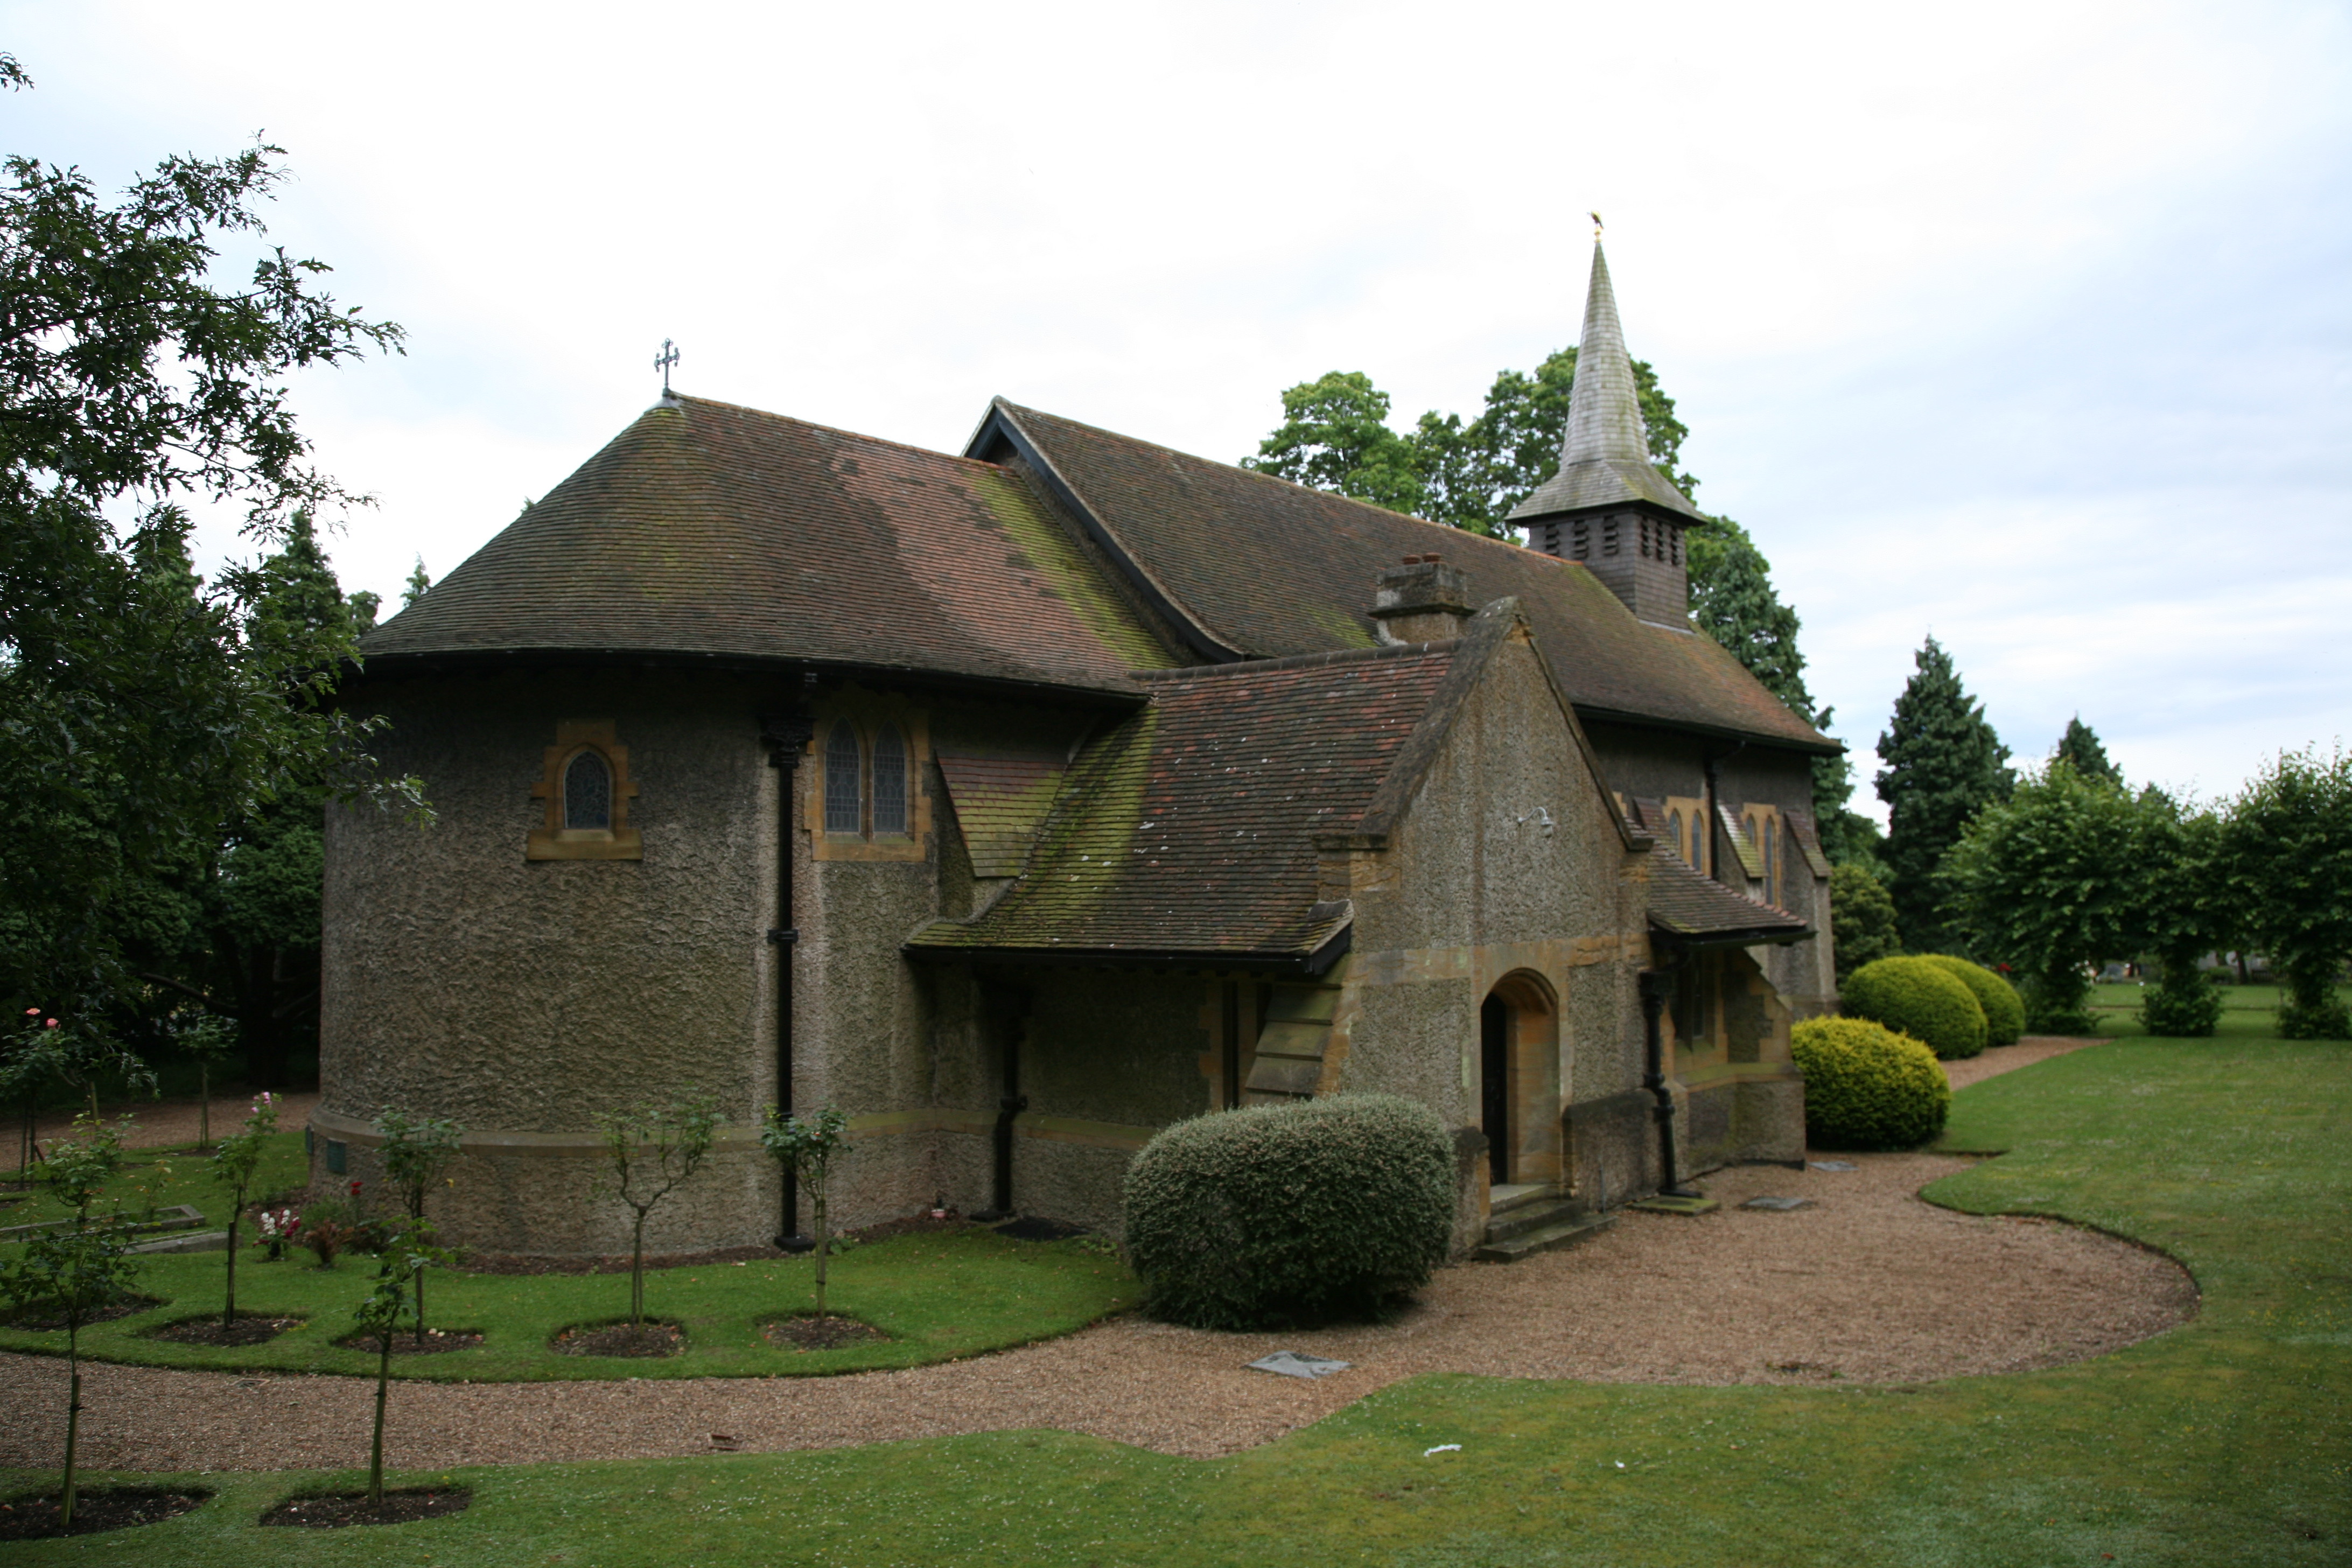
<point>1022,802</point>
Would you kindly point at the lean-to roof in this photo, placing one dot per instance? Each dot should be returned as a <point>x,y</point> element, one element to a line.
<point>1256,566</point>
<point>1700,910</point>
<point>1190,829</point>
<point>708,530</point>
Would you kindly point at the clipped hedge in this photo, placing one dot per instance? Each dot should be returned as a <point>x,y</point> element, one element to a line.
<point>1868,1087</point>
<point>1279,1216</point>
<point>2004,1009</point>
<point>1916,996</point>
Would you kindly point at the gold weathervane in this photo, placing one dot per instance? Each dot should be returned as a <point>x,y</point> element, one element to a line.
<point>1596,225</point>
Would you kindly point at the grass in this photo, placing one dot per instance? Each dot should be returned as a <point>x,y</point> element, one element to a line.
<point>939,1295</point>
<point>2248,1012</point>
<point>2224,1442</point>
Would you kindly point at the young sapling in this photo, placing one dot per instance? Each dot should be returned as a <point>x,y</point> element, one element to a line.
<point>416,1150</point>
<point>653,1149</point>
<point>807,1144</point>
<point>407,1254</point>
<point>74,1273</point>
<point>234,1165</point>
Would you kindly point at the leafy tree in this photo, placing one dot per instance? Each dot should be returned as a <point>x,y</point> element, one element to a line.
<point>2047,881</point>
<point>234,1165</point>
<point>74,1273</point>
<point>1862,920</point>
<point>143,709</point>
<point>807,1144</point>
<point>398,1296</point>
<point>245,939</point>
<point>1944,764</point>
<point>2288,845</point>
<point>654,1149</point>
<point>418,581</point>
<point>415,1151</point>
<point>1335,435</point>
<point>2184,909</point>
<point>2079,749</point>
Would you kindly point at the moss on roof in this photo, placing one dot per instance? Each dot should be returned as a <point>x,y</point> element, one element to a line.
<point>1270,569</point>
<point>712,531</point>
<point>1191,828</point>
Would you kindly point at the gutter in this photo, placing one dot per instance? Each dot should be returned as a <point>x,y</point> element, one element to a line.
<point>1311,964</point>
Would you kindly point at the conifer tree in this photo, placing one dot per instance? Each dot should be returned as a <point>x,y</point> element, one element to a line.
<point>2079,749</point>
<point>1944,764</point>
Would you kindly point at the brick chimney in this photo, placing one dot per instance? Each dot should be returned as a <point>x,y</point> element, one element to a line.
<point>1424,600</point>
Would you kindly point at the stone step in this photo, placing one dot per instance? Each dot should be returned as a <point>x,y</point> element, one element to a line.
<point>1518,1196</point>
<point>1567,1231</point>
<point>1530,1217</point>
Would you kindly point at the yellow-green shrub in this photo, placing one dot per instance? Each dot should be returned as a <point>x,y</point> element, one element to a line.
<point>1868,1087</point>
<point>2004,1009</point>
<point>1918,997</point>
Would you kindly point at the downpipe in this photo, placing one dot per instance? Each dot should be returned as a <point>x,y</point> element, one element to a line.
<point>1653,1079</point>
<point>787,736</point>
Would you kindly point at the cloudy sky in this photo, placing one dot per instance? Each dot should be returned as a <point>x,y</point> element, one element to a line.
<point>2026,325</point>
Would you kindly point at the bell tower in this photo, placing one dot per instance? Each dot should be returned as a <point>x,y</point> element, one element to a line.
<point>1608,509</point>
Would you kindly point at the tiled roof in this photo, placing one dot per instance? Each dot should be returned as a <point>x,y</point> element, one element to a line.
<point>1191,828</point>
<point>1000,803</point>
<point>710,530</point>
<point>1269,568</point>
<point>1684,904</point>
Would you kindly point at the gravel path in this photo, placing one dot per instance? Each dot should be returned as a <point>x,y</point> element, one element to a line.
<point>1870,1285</point>
<point>172,1123</point>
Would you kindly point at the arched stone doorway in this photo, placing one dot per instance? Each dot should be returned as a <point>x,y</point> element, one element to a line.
<point>1519,1082</point>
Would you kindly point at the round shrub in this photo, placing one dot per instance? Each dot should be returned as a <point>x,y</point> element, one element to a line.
<point>2004,1009</point>
<point>1916,997</point>
<point>1279,1215</point>
<point>1868,1087</point>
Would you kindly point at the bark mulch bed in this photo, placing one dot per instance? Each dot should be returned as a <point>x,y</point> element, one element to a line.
<point>249,1329</point>
<point>404,1342</point>
<point>815,1333</point>
<point>650,1338</point>
<point>95,1509</point>
<point>336,1509</point>
<point>42,1320</point>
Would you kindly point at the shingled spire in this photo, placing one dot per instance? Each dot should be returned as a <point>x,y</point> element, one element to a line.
<point>1608,507</point>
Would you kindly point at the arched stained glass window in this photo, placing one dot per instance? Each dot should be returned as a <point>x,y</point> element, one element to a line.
<point>588,792</point>
<point>844,790</point>
<point>889,781</point>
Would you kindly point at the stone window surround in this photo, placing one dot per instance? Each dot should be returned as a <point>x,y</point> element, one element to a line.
<point>866,712</point>
<point>551,840</point>
<point>1692,810</point>
<point>1770,837</point>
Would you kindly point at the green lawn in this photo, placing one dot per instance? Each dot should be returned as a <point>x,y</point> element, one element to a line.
<point>2224,1442</point>
<point>2247,1011</point>
<point>939,1295</point>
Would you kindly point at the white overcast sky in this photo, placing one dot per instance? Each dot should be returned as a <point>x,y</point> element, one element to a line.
<point>2027,325</point>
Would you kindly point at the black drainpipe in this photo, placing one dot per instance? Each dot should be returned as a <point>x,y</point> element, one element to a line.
<point>1653,1079</point>
<point>787,738</point>
<point>1009,1008</point>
